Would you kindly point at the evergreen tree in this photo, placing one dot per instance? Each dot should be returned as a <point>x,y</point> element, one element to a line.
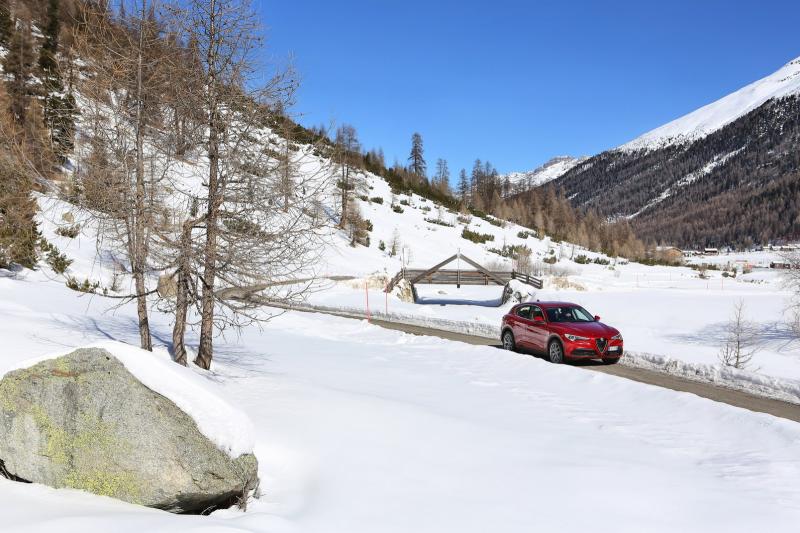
<point>476,180</point>
<point>18,230</point>
<point>48,64</point>
<point>506,186</point>
<point>6,24</point>
<point>463,186</point>
<point>59,108</point>
<point>417,161</point>
<point>18,66</point>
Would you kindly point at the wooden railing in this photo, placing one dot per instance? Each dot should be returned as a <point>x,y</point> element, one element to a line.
<point>530,280</point>
<point>462,277</point>
<point>394,281</point>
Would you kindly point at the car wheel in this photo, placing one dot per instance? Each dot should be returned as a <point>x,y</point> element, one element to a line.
<point>556,352</point>
<point>508,341</point>
<point>613,361</point>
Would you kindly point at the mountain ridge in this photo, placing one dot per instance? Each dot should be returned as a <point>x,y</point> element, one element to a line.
<point>711,117</point>
<point>724,174</point>
<point>552,169</point>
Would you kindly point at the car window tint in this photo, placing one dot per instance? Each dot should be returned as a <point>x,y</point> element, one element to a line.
<point>555,314</point>
<point>568,314</point>
<point>537,313</point>
<point>524,312</point>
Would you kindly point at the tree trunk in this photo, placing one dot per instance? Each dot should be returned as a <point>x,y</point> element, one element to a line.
<point>345,195</point>
<point>145,340</point>
<point>179,127</point>
<point>287,175</point>
<point>206,351</point>
<point>139,255</point>
<point>182,295</point>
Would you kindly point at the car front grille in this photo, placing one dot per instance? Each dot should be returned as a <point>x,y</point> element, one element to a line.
<point>602,344</point>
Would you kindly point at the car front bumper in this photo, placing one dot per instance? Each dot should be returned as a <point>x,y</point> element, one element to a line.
<point>589,350</point>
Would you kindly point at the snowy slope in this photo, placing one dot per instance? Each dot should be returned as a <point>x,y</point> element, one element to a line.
<point>707,119</point>
<point>361,429</point>
<point>664,311</point>
<point>424,240</point>
<point>551,170</point>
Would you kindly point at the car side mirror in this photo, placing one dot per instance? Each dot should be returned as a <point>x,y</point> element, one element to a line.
<point>596,318</point>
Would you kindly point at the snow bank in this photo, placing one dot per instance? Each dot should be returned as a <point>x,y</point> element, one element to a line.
<point>227,427</point>
<point>755,383</point>
<point>787,390</point>
<point>356,425</point>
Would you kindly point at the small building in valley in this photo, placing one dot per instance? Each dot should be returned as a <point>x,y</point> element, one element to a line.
<point>669,254</point>
<point>783,265</point>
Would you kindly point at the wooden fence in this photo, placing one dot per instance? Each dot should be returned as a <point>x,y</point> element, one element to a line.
<point>462,277</point>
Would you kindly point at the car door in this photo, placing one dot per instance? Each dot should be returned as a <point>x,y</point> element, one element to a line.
<point>537,330</point>
<point>522,321</point>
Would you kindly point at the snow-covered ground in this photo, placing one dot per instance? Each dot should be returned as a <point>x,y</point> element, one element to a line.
<point>363,429</point>
<point>666,311</point>
<point>663,312</point>
<point>359,428</point>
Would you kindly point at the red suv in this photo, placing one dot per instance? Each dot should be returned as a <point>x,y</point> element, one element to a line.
<point>562,331</point>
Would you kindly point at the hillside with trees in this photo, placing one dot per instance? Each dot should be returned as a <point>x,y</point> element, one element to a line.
<point>112,108</point>
<point>737,185</point>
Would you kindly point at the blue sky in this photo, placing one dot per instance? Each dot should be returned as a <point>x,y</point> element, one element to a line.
<point>519,82</point>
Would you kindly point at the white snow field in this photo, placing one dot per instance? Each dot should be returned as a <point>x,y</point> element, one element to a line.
<point>697,124</point>
<point>666,314</point>
<point>358,428</point>
<point>362,429</point>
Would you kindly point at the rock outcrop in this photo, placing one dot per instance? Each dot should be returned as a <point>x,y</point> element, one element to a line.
<point>84,421</point>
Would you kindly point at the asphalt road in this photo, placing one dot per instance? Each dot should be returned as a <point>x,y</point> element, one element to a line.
<point>706,390</point>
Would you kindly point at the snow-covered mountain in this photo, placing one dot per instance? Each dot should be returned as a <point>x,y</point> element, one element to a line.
<point>727,173</point>
<point>710,118</point>
<point>554,168</point>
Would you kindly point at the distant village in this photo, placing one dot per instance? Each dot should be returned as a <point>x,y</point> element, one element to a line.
<point>674,255</point>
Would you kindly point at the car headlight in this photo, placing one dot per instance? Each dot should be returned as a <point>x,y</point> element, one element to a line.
<point>574,338</point>
<point>617,337</point>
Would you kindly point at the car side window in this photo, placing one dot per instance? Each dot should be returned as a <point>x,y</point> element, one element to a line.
<point>536,312</point>
<point>524,312</point>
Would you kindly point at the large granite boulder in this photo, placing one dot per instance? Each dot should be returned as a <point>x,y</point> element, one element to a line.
<point>84,421</point>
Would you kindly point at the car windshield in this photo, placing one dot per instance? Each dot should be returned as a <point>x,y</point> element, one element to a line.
<point>568,314</point>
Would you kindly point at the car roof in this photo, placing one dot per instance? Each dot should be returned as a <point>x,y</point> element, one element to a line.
<point>547,305</point>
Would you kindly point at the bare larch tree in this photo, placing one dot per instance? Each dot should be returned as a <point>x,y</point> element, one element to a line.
<point>347,152</point>
<point>259,217</point>
<point>123,88</point>
<point>740,343</point>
